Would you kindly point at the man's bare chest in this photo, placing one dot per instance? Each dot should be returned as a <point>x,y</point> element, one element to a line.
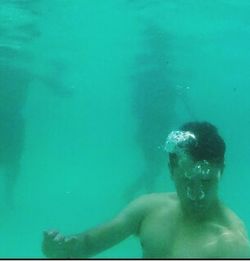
<point>156,235</point>
<point>161,237</point>
<point>194,242</point>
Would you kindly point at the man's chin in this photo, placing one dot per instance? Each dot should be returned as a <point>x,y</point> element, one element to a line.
<point>196,208</point>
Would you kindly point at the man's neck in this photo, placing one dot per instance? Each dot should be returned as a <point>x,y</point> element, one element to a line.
<point>202,214</point>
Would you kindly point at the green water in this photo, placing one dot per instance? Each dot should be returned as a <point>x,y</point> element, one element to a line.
<point>80,152</point>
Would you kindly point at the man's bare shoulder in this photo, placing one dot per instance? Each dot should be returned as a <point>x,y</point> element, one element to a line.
<point>139,209</point>
<point>234,222</point>
<point>156,199</point>
<point>149,203</point>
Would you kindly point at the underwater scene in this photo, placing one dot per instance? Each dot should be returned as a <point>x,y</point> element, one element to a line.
<point>90,90</point>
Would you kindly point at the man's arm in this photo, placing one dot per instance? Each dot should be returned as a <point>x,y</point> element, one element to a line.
<point>92,242</point>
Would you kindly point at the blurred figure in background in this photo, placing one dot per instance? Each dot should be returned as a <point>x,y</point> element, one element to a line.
<point>154,100</point>
<point>13,91</point>
<point>18,30</point>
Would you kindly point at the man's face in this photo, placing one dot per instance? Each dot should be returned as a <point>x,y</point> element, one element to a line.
<point>196,183</point>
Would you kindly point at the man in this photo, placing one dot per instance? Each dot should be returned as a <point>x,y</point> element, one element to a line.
<point>190,224</point>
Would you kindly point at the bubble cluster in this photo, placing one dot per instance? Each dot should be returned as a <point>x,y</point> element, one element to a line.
<point>178,141</point>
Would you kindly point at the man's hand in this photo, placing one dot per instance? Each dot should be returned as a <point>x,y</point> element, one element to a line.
<point>56,245</point>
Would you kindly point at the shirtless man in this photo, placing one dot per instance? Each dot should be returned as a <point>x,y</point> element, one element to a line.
<point>191,223</point>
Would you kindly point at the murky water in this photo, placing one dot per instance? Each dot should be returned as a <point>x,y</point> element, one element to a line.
<point>88,88</point>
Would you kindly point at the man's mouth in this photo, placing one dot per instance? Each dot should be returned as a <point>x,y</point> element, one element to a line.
<point>195,195</point>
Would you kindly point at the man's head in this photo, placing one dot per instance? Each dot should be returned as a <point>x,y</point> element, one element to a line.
<point>196,162</point>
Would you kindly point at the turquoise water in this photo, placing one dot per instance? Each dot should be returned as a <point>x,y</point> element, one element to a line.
<point>80,153</point>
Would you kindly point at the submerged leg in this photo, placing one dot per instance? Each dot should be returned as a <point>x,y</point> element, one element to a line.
<point>145,183</point>
<point>11,173</point>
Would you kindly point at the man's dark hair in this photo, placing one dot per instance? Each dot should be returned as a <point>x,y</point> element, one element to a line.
<point>210,146</point>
